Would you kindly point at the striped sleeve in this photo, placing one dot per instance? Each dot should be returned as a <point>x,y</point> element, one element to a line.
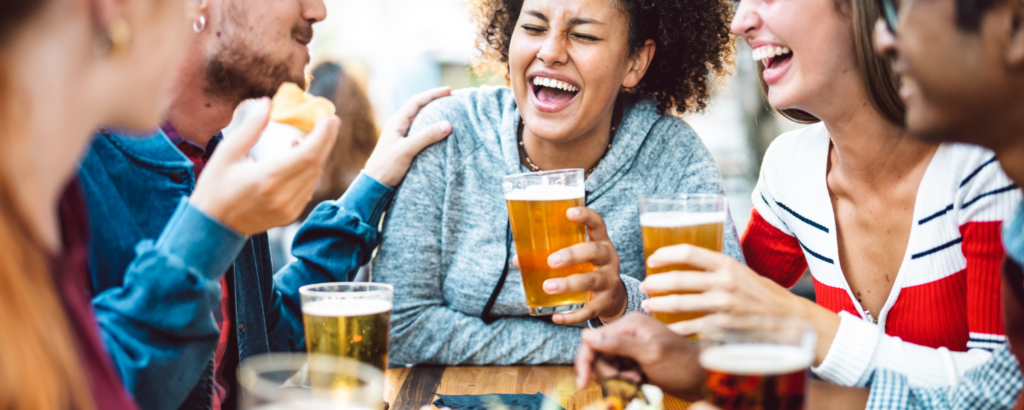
<point>771,252</point>
<point>769,246</point>
<point>984,199</point>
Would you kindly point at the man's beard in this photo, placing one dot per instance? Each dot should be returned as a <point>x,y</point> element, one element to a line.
<point>240,72</point>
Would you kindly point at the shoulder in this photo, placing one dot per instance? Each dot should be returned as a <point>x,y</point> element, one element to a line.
<point>476,115</point>
<point>973,166</point>
<point>983,191</point>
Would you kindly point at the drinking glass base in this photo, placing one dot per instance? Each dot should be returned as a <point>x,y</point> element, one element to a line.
<point>550,310</point>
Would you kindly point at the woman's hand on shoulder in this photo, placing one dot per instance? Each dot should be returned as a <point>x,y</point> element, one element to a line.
<point>393,155</point>
<point>720,284</point>
<point>608,296</point>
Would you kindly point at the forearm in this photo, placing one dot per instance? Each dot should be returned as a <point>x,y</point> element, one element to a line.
<point>157,326</point>
<point>336,239</point>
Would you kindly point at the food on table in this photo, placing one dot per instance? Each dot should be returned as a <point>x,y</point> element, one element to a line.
<point>623,386</point>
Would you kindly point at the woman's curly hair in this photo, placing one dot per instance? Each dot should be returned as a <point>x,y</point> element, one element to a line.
<point>693,41</point>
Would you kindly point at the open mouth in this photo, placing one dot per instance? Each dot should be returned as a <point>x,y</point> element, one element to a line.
<point>772,56</point>
<point>553,94</point>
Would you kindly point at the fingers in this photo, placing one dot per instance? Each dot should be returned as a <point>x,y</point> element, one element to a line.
<point>688,327</point>
<point>584,282</point>
<point>684,281</point>
<point>426,137</point>
<point>403,118</point>
<point>597,253</point>
<point>593,221</point>
<point>584,360</point>
<point>238,144</point>
<point>713,301</point>
<point>577,316</point>
<point>320,141</point>
<point>699,258</point>
<point>515,262</point>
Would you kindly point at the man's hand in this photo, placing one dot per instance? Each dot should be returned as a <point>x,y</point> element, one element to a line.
<point>670,361</point>
<point>608,296</point>
<point>252,197</point>
<point>394,153</point>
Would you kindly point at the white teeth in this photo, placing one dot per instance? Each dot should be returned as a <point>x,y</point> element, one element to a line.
<point>547,82</point>
<point>763,53</point>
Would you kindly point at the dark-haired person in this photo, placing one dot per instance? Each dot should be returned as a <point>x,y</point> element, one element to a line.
<point>962,65</point>
<point>900,235</point>
<point>180,266</point>
<point>594,85</point>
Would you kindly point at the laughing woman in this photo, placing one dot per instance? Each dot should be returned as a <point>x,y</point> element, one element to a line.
<point>593,85</point>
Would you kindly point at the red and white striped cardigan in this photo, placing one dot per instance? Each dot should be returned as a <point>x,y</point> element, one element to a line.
<point>946,295</point>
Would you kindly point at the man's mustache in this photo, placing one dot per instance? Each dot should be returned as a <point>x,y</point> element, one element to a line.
<point>303,32</point>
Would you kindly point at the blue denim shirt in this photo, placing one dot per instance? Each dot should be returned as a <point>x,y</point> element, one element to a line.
<point>156,264</point>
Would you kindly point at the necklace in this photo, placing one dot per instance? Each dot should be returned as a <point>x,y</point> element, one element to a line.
<point>524,158</point>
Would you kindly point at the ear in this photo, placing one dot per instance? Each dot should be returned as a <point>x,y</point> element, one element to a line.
<point>1015,45</point>
<point>104,12</point>
<point>638,64</point>
<point>196,8</point>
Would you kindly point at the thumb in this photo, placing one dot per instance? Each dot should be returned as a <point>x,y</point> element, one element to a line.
<point>238,144</point>
<point>426,137</point>
<point>321,140</point>
<point>613,343</point>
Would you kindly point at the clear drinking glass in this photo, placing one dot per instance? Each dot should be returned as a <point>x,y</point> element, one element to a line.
<point>296,381</point>
<point>674,219</point>
<point>757,362</point>
<point>348,319</point>
<point>537,202</point>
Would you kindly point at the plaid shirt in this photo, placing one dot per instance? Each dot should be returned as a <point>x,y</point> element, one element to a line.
<point>993,385</point>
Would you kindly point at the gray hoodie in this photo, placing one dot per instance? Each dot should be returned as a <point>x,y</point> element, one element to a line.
<point>444,240</point>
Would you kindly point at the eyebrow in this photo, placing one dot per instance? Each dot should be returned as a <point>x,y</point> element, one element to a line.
<point>576,21</point>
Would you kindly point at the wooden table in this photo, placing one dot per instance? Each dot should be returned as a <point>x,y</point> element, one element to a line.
<point>410,388</point>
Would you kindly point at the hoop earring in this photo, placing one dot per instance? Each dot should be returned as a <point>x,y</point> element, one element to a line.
<point>200,25</point>
<point>116,40</point>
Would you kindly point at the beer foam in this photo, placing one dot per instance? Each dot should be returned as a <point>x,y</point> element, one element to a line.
<point>680,219</point>
<point>546,193</point>
<point>346,307</point>
<point>755,359</point>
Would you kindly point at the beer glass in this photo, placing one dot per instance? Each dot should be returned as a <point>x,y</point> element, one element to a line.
<point>348,319</point>
<point>666,220</point>
<point>296,381</point>
<point>537,203</point>
<point>757,362</point>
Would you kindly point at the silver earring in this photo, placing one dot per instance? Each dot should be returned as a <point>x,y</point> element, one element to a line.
<point>200,25</point>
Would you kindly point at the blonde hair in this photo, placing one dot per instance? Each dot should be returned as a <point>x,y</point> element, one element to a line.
<point>41,367</point>
<point>876,73</point>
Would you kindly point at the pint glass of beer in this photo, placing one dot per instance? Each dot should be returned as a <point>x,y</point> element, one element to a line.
<point>348,319</point>
<point>666,220</point>
<point>757,363</point>
<point>537,203</point>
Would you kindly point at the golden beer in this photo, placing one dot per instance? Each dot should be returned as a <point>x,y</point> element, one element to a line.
<point>537,203</point>
<point>661,229</point>
<point>353,328</point>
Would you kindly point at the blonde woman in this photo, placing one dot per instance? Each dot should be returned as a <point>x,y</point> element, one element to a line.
<point>901,236</point>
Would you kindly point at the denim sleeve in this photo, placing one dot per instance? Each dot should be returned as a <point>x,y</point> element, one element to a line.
<point>993,385</point>
<point>335,240</point>
<point>158,325</point>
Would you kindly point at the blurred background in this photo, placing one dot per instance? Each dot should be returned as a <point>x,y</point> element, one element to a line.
<point>392,49</point>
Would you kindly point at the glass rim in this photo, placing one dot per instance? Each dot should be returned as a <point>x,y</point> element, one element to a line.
<point>250,370</point>
<point>380,289</point>
<point>544,173</point>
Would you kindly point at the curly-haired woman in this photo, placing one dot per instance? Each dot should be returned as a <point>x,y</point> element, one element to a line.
<point>594,84</point>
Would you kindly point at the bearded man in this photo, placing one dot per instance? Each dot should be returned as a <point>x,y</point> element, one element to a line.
<point>180,265</point>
